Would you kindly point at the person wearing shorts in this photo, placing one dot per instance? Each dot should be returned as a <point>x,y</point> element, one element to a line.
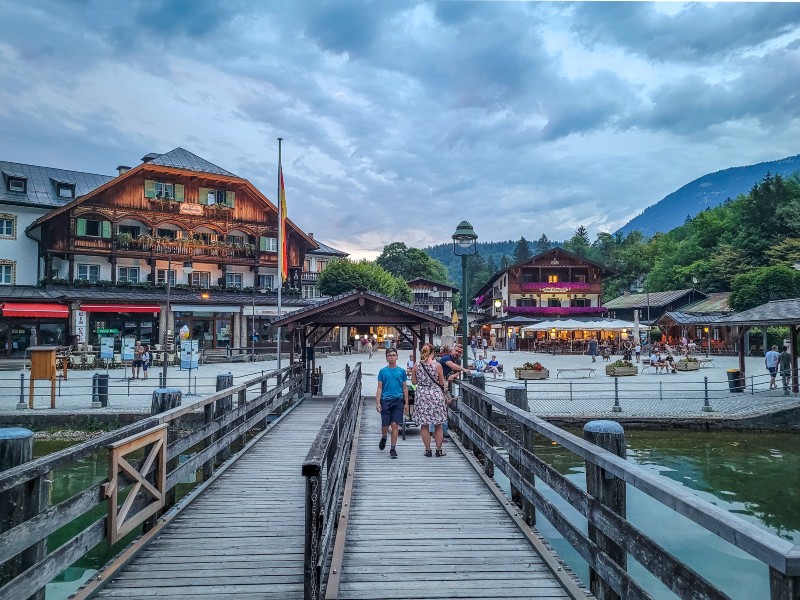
<point>391,399</point>
<point>138,350</point>
<point>771,362</point>
<point>145,361</point>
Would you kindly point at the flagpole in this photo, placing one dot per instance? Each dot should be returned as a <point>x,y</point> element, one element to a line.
<point>280,248</point>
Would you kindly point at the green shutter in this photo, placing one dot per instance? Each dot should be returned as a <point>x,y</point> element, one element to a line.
<point>179,192</point>
<point>262,243</point>
<point>202,197</point>
<point>81,227</point>
<point>230,198</point>
<point>105,230</point>
<point>149,188</point>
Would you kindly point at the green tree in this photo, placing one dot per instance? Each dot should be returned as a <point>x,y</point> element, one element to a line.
<point>344,275</point>
<point>786,252</point>
<point>522,251</point>
<point>505,262</point>
<point>490,266</point>
<point>410,263</point>
<point>579,243</point>
<point>763,284</point>
<point>543,244</point>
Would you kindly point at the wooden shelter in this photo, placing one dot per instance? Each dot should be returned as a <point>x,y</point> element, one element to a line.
<point>777,312</point>
<point>308,326</point>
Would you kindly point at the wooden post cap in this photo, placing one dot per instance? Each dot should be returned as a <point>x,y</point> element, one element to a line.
<point>15,433</point>
<point>603,426</point>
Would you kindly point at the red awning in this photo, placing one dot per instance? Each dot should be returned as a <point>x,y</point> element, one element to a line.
<point>43,311</point>
<point>121,308</point>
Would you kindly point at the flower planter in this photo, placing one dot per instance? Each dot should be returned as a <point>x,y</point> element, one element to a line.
<point>531,374</point>
<point>691,365</point>
<point>621,371</point>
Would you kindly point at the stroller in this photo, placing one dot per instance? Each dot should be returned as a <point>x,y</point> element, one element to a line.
<point>408,419</point>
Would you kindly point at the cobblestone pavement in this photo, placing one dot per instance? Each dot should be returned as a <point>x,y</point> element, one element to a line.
<point>647,395</point>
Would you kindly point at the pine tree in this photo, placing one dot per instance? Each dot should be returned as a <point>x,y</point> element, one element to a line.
<point>522,251</point>
<point>544,244</point>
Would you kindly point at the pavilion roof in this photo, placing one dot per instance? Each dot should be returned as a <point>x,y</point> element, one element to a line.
<point>777,312</point>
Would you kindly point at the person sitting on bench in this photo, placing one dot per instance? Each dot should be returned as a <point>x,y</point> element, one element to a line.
<point>494,367</point>
<point>656,362</point>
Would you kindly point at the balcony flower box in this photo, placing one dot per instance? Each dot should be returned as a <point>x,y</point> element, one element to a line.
<point>687,365</point>
<point>621,368</point>
<point>561,286</point>
<point>555,310</point>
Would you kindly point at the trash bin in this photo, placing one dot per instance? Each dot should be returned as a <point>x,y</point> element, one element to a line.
<point>735,380</point>
<point>100,390</point>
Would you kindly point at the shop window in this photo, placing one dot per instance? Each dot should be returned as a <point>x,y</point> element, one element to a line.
<point>132,230</point>
<point>552,279</point>
<point>233,280</point>
<point>128,275</point>
<point>161,277</point>
<point>88,272</point>
<point>8,227</point>
<point>7,274</point>
<point>266,282</point>
<point>268,244</point>
<point>200,279</point>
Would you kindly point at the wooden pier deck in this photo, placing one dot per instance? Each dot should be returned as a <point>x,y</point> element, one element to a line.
<point>430,528</point>
<point>243,537</point>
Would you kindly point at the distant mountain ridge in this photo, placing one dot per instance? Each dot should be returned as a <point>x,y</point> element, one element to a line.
<point>706,192</point>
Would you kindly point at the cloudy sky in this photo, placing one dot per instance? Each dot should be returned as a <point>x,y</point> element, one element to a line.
<point>402,118</point>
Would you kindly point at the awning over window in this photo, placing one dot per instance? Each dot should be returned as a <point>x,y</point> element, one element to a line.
<point>42,311</point>
<point>121,308</point>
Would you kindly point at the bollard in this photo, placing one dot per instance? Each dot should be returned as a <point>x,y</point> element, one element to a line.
<point>661,391</point>
<point>609,491</point>
<point>99,390</point>
<point>570,391</point>
<point>706,405</point>
<point>616,407</point>
<point>21,502</point>
<point>22,404</point>
<point>347,371</point>
<point>516,395</point>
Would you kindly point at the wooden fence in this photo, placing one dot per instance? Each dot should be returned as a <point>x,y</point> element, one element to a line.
<point>147,486</point>
<point>328,471</point>
<point>487,423</point>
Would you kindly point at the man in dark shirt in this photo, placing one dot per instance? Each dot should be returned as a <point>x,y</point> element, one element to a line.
<point>450,370</point>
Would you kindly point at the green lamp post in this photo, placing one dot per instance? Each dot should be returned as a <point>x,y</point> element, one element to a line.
<point>465,244</point>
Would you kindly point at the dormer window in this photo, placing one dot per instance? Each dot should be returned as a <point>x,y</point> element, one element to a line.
<point>17,184</point>
<point>65,190</point>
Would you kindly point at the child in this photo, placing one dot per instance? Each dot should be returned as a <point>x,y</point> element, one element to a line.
<point>391,399</point>
<point>145,361</point>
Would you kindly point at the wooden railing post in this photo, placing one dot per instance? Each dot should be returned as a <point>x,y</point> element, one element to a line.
<point>22,502</point>
<point>783,587</point>
<point>313,574</point>
<point>223,407</point>
<point>609,491</point>
<point>165,399</point>
<point>517,395</point>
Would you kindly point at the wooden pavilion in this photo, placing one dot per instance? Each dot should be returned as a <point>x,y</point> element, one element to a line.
<point>777,312</point>
<point>308,326</point>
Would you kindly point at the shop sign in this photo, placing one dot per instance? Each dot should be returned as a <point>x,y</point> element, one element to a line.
<point>191,209</point>
<point>81,325</point>
<point>130,324</point>
<point>107,330</point>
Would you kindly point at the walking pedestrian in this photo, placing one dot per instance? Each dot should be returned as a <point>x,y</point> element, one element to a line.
<point>593,348</point>
<point>429,404</point>
<point>370,349</point>
<point>474,345</point>
<point>771,362</point>
<point>391,399</point>
<point>485,345</point>
<point>638,351</point>
<point>785,365</point>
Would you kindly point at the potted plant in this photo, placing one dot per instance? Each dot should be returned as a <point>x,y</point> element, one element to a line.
<point>621,368</point>
<point>531,371</point>
<point>688,363</point>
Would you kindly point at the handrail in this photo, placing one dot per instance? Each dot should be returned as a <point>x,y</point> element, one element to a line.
<point>325,470</point>
<point>477,425</point>
<point>217,431</point>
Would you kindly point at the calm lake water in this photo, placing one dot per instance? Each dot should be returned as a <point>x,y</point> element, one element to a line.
<point>753,475</point>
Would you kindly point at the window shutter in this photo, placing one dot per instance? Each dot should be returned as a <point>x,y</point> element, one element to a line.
<point>149,188</point>
<point>179,192</point>
<point>81,227</point>
<point>106,229</point>
<point>230,198</point>
<point>202,197</point>
<point>262,244</point>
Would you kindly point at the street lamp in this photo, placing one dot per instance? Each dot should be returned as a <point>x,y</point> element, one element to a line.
<point>465,244</point>
<point>708,340</point>
<point>187,268</point>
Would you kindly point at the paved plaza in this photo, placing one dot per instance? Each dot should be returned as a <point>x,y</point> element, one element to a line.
<point>569,395</point>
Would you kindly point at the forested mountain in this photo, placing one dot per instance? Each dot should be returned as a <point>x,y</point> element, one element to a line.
<point>706,192</point>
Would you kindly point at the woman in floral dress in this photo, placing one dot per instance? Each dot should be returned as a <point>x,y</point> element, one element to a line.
<point>429,405</point>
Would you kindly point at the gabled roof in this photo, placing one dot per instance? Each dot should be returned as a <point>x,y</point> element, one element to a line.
<point>644,300</point>
<point>432,282</point>
<point>361,307</point>
<point>179,158</point>
<point>715,303</point>
<point>41,184</point>
<point>683,318</point>
<point>327,250</point>
<point>777,312</point>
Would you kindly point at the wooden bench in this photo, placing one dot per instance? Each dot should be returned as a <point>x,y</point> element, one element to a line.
<point>587,370</point>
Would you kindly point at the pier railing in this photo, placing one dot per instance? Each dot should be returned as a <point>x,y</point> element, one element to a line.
<point>488,425</point>
<point>143,474</point>
<point>328,472</point>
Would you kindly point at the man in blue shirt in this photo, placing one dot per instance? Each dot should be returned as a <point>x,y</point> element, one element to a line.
<point>391,399</point>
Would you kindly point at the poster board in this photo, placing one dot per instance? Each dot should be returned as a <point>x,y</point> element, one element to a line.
<point>190,354</point>
<point>127,347</point>
<point>107,348</point>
